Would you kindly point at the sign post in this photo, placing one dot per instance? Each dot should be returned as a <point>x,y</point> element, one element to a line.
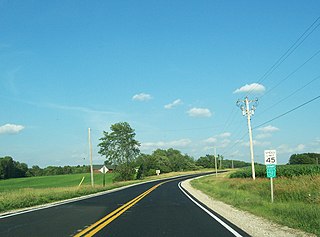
<point>270,160</point>
<point>104,170</point>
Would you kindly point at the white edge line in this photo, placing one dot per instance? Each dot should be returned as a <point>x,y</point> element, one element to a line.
<point>210,214</point>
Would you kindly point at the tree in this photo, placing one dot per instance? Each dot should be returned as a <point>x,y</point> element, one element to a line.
<point>120,149</point>
<point>305,158</point>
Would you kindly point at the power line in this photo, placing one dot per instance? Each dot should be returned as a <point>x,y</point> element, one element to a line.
<point>281,115</point>
<point>293,72</point>
<point>289,51</point>
<point>293,93</point>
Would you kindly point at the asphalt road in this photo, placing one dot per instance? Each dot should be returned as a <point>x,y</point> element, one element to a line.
<point>151,209</point>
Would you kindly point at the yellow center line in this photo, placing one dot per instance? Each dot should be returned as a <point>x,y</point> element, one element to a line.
<point>99,225</point>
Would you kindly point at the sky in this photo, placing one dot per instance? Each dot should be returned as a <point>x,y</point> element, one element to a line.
<point>172,69</point>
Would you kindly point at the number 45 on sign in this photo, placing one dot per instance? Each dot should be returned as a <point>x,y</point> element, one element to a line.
<point>270,157</point>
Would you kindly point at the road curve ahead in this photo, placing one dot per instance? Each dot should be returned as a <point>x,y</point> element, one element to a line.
<point>158,208</point>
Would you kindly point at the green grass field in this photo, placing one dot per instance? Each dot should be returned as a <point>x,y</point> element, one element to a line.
<point>296,200</point>
<point>52,181</point>
<point>27,192</point>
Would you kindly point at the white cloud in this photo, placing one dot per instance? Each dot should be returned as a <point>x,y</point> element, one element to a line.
<point>173,104</point>
<point>269,128</point>
<point>264,135</point>
<point>11,129</point>
<point>211,140</point>
<point>226,134</point>
<point>142,97</point>
<point>199,112</point>
<point>254,87</point>
<point>76,108</point>
<point>161,144</point>
<point>283,149</point>
<point>256,143</point>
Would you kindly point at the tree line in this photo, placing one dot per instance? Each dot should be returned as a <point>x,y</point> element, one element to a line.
<point>121,150</point>
<point>304,158</point>
<point>10,168</point>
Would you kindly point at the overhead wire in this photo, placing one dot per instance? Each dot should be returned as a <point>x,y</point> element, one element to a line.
<point>292,73</point>
<point>289,51</point>
<point>290,95</point>
<point>276,65</point>
<point>281,115</point>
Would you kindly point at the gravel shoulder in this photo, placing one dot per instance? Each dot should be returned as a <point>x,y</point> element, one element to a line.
<point>253,225</point>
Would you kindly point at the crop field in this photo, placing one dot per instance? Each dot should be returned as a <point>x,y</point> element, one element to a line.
<point>282,171</point>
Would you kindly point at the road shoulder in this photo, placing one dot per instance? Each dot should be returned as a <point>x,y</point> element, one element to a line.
<point>253,225</point>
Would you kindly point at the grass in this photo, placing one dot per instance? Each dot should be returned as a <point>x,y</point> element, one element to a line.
<point>52,181</point>
<point>27,192</point>
<point>297,199</point>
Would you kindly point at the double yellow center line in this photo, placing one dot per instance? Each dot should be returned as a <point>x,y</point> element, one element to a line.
<point>99,225</point>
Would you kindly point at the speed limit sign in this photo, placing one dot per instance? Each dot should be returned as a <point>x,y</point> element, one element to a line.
<point>270,157</point>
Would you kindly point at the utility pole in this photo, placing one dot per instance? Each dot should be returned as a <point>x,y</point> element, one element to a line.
<point>247,111</point>
<point>215,160</point>
<point>90,150</point>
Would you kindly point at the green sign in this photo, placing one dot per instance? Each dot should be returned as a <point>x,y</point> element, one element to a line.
<point>271,171</point>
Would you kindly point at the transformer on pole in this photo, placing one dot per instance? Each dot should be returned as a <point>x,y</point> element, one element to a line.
<point>244,105</point>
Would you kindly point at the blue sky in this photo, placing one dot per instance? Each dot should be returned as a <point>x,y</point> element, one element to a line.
<point>172,69</point>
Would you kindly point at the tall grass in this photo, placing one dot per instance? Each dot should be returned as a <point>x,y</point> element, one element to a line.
<point>297,199</point>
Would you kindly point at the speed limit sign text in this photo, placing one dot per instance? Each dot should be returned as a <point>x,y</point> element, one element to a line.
<point>270,157</point>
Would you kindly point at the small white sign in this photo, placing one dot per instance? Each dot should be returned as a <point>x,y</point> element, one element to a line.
<point>104,169</point>
<point>270,157</point>
<point>158,172</point>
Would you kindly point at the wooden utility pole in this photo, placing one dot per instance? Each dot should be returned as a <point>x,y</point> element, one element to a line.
<point>90,151</point>
<point>215,160</point>
<point>247,111</point>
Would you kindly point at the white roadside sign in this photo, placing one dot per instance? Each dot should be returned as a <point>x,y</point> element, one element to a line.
<point>104,169</point>
<point>270,157</point>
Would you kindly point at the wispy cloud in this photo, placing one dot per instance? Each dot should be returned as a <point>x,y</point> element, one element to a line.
<point>173,104</point>
<point>11,129</point>
<point>254,87</point>
<point>284,149</point>
<point>220,141</point>
<point>142,97</point>
<point>268,128</point>
<point>257,143</point>
<point>166,144</point>
<point>199,112</point>
<point>263,135</point>
<point>77,108</point>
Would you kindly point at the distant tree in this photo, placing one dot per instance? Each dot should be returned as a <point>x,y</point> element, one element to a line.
<point>12,169</point>
<point>6,167</point>
<point>305,158</point>
<point>207,161</point>
<point>120,149</point>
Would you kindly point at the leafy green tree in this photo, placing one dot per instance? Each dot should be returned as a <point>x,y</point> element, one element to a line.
<point>305,158</point>
<point>120,149</point>
<point>206,161</point>
<point>6,167</point>
<point>12,169</point>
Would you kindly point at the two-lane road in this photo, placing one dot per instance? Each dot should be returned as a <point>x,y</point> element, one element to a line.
<point>152,209</point>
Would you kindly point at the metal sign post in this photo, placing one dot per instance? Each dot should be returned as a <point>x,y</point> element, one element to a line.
<point>104,170</point>
<point>270,160</point>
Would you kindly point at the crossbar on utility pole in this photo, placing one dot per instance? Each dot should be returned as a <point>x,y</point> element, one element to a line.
<point>244,105</point>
